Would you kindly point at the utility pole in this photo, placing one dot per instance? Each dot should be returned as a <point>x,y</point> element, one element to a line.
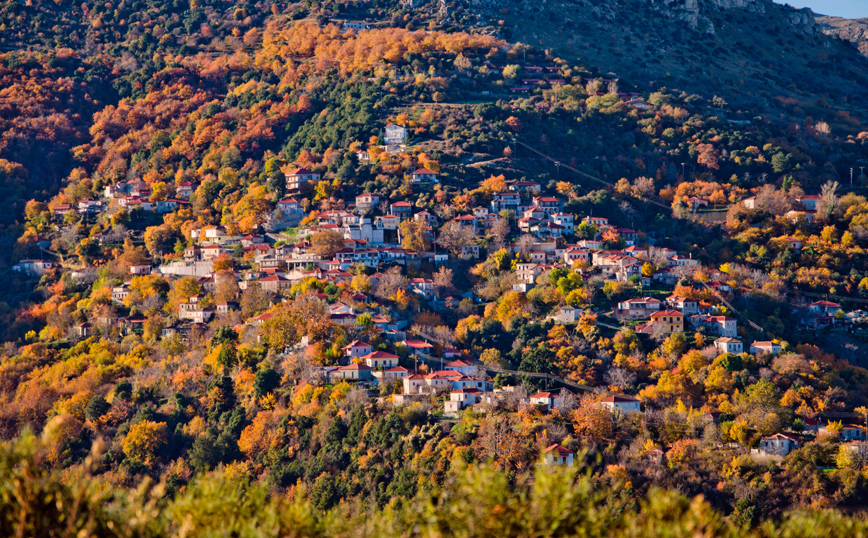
<point>683,178</point>
<point>862,176</point>
<point>851,176</point>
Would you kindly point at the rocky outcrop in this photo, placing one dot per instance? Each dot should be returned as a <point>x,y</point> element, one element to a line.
<point>853,30</point>
<point>803,21</point>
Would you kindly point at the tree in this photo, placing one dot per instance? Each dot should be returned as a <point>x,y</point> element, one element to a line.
<point>266,381</point>
<point>592,421</point>
<point>494,184</point>
<point>96,408</point>
<point>511,71</point>
<point>525,244</point>
<point>500,231</point>
<point>453,236</point>
<point>282,330</point>
<point>648,270</point>
<point>828,198</point>
<point>326,243</point>
<point>415,235</point>
<point>183,288</point>
<point>361,283</point>
<point>514,124</point>
<point>707,156</point>
<point>492,357</point>
<point>443,279</point>
<point>223,262</point>
<point>254,300</point>
<point>144,439</point>
<point>462,63</point>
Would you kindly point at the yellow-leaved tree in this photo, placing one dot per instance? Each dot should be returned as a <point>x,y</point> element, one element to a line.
<point>144,440</point>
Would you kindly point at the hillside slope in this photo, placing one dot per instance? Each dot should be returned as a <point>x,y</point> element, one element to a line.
<point>747,51</point>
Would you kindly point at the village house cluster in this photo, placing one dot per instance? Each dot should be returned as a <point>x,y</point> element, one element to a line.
<point>544,238</point>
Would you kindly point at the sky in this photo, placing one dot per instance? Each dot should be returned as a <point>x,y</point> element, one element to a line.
<point>852,9</point>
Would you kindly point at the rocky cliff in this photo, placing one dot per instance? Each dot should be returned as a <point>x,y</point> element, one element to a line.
<point>853,30</point>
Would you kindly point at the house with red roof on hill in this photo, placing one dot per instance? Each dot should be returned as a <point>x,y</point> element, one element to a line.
<point>357,348</point>
<point>721,325</point>
<point>546,399</point>
<point>298,179</point>
<point>355,372</point>
<point>418,347</point>
<point>621,404</point>
<point>402,210</point>
<point>765,346</point>
<point>463,367</point>
<point>460,399</point>
<point>779,444</point>
<point>558,455</point>
<point>548,204</point>
<point>824,308</point>
<point>380,360</point>
<point>423,175</point>
<point>390,374</point>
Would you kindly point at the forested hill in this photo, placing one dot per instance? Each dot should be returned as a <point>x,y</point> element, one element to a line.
<point>236,233</point>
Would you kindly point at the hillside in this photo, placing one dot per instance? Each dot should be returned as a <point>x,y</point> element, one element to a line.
<point>351,268</point>
<point>750,52</point>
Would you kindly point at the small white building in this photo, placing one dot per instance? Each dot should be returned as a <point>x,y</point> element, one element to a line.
<point>423,175</point>
<point>381,360</point>
<point>33,267</point>
<point>461,399</point>
<point>357,348</point>
<point>463,367</point>
<point>761,347</point>
<point>549,399</point>
<point>779,444</point>
<point>726,344</point>
<point>395,135</point>
<point>558,455</point>
<point>567,314</point>
<point>827,308</point>
<point>395,372</point>
<point>621,404</point>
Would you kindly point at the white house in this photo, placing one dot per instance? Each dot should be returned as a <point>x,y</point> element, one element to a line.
<point>423,286</point>
<point>355,372</point>
<point>549,399</point>
<point>460,399</point>
<point>418,347</point>
<point>721,325</point>
<point>395,135</point>
<point>367,201</point>
<point>558,455</point>
<point>779,444</point>
<point>389,374</point>
<point>423,175</point>
<point>357,348</point>
<point>464,367</point>
<point>299,178</point>
<point>564,219</point>
<point>765,347</point>
<point>827,308</point>
<point>729,345</point>
<point>33,267</point>
<point>381,360</point>
<point>621,404</point>
<point>568,314</point>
